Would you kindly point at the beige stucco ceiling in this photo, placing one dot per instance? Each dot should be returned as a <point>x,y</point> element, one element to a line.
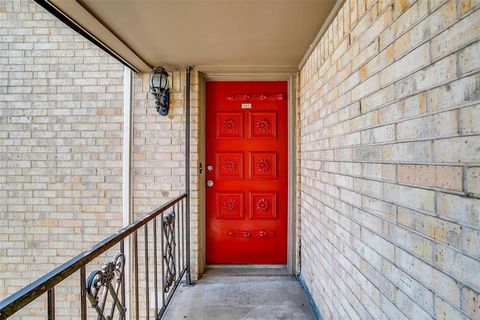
<point>213,33</point>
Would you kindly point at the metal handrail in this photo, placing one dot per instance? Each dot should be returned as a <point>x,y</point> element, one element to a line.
<point>21,298</point>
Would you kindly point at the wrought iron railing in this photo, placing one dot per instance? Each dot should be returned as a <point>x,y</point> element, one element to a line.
<point>105,288</point>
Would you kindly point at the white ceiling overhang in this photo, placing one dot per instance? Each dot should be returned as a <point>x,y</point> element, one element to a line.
<point>242,35</point>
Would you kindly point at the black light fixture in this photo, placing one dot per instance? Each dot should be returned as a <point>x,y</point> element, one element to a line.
<point>159,89</point>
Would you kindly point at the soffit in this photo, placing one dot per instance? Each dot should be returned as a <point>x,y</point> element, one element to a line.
<point>248,34</point>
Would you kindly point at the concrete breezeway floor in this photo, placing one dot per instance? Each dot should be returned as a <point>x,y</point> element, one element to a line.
<point>228,293</point>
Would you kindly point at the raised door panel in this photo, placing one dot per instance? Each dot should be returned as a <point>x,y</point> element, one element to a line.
<point>263,125</point>
<point>230,205</point>
<point>229,165</point>
<point>263,165</point>
<point>263,205</point>
<point>229,125</point>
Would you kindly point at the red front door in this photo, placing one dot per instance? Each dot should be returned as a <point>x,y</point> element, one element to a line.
<point>246,172</point>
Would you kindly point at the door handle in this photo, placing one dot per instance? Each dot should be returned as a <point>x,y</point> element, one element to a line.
<point>209,183</point>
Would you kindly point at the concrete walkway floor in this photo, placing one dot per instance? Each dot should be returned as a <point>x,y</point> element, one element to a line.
<point>225,293</point>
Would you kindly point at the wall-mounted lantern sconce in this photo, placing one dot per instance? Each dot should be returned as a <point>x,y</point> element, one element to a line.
<point>159,89</point>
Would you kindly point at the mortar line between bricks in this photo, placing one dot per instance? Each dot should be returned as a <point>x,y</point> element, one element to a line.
<point>432,61</point>
<point>350,292</point>
<point>395,101</point>
<point>346,272</point>
<point>324,62</point>
<point>380,50</point>
<point>347,36</point>
<point>400,183</point>
<point>340,298</point>
<point>363,258</point>
<point>312,95</point>
<point>430,264</point>
<point>383,218</point>
<point>323,290</point>
<point>426,212</point>
<point>404,119</point>
<point>459,250</point>
<point>454,164</point>
<point>328,104</point>
<point>394,142</point>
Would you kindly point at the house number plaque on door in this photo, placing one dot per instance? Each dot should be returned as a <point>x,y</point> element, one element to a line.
<point>246,106</point>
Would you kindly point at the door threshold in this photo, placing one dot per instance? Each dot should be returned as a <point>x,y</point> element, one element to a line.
<point>246,270</point>
<point>250,266</point>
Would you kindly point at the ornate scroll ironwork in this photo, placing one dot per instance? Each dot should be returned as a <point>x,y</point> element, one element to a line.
<point>168,228</point>
<point>99,286</point>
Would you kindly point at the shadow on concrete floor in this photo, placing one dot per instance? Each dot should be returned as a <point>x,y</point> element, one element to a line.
<point>241,293</point>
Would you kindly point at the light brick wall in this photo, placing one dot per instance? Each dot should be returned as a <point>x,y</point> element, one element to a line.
<point>390,161</point>
<point>61,128</point>
<point>61,102</point>
<point>159,150</point>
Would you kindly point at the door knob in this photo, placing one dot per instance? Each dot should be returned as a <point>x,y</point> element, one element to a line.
<point>209,183</point>
<point>209,167</point>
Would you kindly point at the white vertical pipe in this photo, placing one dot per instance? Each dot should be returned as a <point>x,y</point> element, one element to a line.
<point>127,180</point>
<point>188,69</point>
